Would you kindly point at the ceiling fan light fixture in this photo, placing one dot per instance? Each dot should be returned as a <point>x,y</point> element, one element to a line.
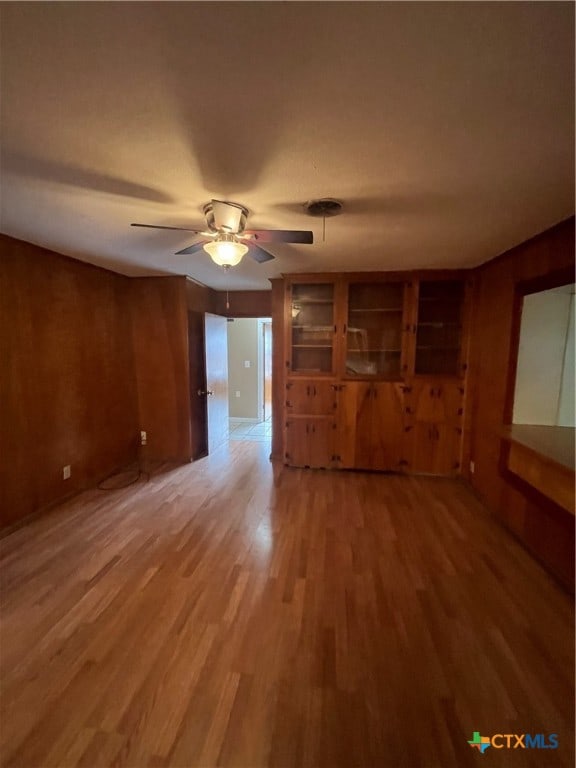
<point>225,250</point>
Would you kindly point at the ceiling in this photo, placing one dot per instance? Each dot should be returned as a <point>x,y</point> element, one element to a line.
<point>447,129</point>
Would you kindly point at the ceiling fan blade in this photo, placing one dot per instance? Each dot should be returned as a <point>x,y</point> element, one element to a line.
<point>178,229</point>
<point>279,236</point>
<point>259,254</point>
<point>191,249</point>
<point>227,216</point>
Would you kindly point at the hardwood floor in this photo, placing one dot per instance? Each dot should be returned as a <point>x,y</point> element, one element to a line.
<point>227,613</point>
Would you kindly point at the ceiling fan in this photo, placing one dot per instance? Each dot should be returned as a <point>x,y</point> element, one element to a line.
<point>225,238</point>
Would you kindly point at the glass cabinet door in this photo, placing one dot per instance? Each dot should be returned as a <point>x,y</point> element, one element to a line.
<point>439,328</point>
<point>312,328</point>
<point>374,330</point>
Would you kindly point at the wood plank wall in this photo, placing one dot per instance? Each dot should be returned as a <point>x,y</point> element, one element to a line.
<point>544,528</point>
<point>160,338</point>
<point>244,304</point>
<point>89,358</point>
<point>66,378</point>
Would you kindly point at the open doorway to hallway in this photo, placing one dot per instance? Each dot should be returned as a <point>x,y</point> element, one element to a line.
<point>250,379</point>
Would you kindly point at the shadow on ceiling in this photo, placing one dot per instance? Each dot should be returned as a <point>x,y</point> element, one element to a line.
<point>82,178</point>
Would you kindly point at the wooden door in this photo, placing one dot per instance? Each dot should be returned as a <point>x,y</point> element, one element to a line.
<point>433,448</point>
<point>216,392</point>
<point>313,398</point>
<point>296,443</point>
<point>436,401</point>
<point>347,410</point>
<point>320,437</point>
<point>387,426</point>
<point>197,365</point>
<point>370,431</point>
<point>361,394</point>
<point>310,442</point>
<point>267,342</point>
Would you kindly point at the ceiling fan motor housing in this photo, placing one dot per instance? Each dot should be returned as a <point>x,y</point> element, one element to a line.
<point>240,215</point>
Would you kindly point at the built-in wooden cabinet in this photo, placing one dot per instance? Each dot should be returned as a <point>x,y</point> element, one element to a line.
<point>440,317</point>
<point>311,397</point>
<point>370,433</point>
<point>310,441</point>
<point>312,328</point>
<point>373,330</point>
<point>434,410</point>
<point>375,371</point>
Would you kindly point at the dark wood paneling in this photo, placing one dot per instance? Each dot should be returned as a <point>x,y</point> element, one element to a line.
<point>160,333</point>
<point>199,298</point>
<point>67,377</point>
<point>493,360</point>
<point>243,303</point>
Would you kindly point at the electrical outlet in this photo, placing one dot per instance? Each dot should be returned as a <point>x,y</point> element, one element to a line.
<point>237,393</point>
<point>472,467</point>
<point>66,472</point>
<point>246,363</point>
<point>143,437</point>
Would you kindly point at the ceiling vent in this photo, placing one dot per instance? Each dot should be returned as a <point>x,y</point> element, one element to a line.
<point>326,206</point>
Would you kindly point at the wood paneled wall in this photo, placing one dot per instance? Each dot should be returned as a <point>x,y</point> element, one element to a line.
<point>545,529</point>
<point>67,380</point>
<point>160,337</point>
<point>244,304</point>
<point>88,359</point>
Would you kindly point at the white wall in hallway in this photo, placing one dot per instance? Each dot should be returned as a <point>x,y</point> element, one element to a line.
<point>243,346</point>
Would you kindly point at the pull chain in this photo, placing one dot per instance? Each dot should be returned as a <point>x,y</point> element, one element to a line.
<point>323,229</point>
<point>227,301</point>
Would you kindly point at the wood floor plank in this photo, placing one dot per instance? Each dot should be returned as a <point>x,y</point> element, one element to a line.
<point>239,614</point>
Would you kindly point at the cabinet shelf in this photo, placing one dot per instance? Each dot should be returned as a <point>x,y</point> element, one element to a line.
<point>311,301</point>
<point>393,350</point>
<point>312,346</point>
<point>314,327</point>
<point>439,324</point>
<point>443,299</point>
<point>439,348</point>
<point>376,309</point>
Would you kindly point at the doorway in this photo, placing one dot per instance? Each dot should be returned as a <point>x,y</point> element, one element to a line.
<point>250,379</point>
